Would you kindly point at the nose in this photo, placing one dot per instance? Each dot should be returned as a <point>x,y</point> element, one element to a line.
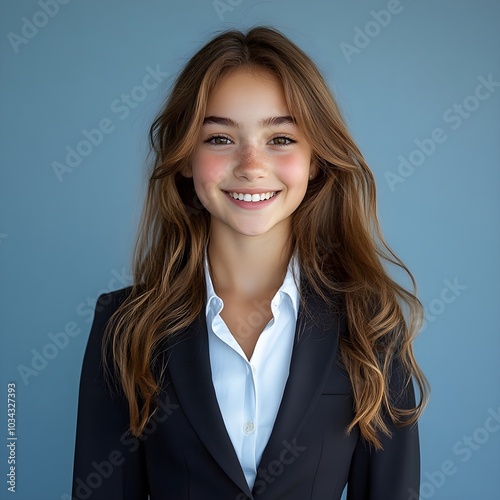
<point>251,164</point>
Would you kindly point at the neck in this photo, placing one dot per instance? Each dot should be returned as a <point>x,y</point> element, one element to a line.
<point>248,267</point>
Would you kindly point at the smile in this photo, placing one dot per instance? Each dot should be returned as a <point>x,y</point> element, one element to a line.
<point>252,197</point>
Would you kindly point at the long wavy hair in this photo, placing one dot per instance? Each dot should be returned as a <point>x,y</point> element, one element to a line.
<point>335,232</point>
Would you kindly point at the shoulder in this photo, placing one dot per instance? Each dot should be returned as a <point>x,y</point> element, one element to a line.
<point>112,300</point>
<point>107,303</point>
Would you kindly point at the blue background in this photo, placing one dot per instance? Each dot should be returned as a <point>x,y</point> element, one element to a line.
<point>65,240</point>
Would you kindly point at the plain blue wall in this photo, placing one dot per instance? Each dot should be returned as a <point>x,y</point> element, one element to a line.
<point>63,241</point>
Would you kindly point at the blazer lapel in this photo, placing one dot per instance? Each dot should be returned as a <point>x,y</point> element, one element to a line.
<point>189,367</point>
<point>313,355</point>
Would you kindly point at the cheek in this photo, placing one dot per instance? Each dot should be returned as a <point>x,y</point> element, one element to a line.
<point>294,169</point>
<point>208,169</point>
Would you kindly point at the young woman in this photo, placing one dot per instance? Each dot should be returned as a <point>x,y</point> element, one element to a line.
<point>263,351</point>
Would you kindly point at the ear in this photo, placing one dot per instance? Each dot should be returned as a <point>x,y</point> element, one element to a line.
<point>313,169</point>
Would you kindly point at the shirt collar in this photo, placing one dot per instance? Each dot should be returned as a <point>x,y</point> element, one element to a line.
<point>288,286</point>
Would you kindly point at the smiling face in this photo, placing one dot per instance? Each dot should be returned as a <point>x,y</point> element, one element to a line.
<point>249,149</point>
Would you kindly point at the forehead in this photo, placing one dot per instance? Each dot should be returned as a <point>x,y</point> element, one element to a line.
<point>246,93</point>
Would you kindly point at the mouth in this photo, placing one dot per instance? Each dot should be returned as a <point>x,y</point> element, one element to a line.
<point>252,198</point>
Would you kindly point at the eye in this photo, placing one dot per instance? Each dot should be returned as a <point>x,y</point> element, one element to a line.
<point>218,140</point>
<point>282,140</point>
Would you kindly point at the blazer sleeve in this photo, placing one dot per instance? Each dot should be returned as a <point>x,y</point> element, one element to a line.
<point>108,463</point>
<point>392,473</point>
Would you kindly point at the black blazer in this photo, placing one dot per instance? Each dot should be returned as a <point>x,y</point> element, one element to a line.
<point>186,453</point>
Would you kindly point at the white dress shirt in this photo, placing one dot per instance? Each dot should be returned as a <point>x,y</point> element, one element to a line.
<point>249,392</point>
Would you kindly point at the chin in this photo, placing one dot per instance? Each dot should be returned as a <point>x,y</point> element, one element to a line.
<point>252,231</point>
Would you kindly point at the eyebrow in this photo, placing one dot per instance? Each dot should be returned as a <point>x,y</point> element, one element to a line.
<point>266,122</point>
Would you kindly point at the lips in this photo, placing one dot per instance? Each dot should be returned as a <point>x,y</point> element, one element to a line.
<point>252,197</point>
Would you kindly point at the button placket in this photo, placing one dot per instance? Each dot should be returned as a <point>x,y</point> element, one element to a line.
<point>251,403</point>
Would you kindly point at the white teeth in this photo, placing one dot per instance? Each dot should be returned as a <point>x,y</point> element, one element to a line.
<point>252,197</point>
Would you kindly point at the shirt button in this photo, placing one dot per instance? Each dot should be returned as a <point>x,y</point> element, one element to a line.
<point>248,428</point>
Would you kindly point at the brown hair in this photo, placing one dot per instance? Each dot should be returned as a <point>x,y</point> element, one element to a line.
<point>335,231</point>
